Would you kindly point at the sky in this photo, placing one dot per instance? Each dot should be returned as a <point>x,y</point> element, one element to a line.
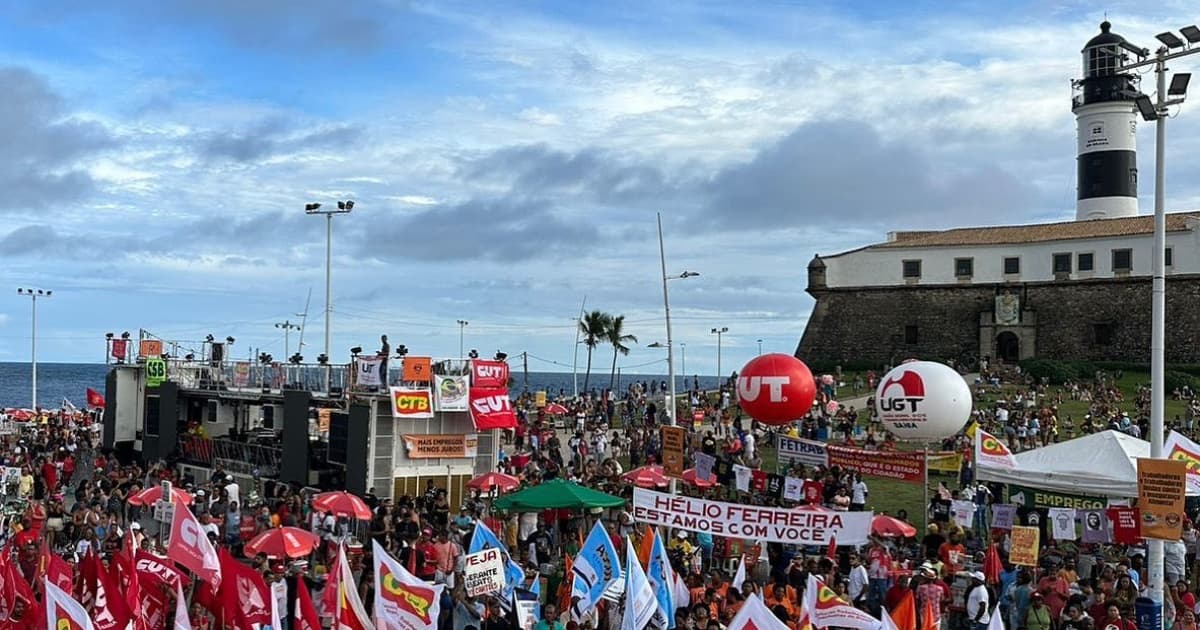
<point>507,161</point>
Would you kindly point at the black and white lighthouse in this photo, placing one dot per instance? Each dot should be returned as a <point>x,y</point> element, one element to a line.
<point>1106,120</point>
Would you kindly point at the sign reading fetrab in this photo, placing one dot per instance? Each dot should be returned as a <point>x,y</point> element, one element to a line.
<point>483,573</point>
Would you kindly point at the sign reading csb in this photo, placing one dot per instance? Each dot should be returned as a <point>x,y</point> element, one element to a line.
<point>411,402</point>
<point>776,389</point>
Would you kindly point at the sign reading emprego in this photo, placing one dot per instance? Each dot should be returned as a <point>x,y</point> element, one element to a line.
<point>483,572</point>
<point>807,452</point>
<point>906,466</point>
<point>797,526</point>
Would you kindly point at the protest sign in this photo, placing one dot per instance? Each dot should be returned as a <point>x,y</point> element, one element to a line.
<point>483,572</point>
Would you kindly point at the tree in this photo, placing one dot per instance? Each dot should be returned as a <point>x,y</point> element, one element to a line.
<point>617,338</point>
<point>594,327</point>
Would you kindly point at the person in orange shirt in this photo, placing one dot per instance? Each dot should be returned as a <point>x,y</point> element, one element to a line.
<point>779,597</point>
<point>951,553</point>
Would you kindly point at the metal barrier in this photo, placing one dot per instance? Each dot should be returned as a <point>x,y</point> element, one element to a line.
<point>253,377</point>
<point>235,457</point>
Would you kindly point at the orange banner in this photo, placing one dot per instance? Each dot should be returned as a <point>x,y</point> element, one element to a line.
<point>429,446</point>
<point>150,348</point>
<point>1162,485</point>
<point>1024,546</point>
<point>673,439</point>
<point>417,369</point>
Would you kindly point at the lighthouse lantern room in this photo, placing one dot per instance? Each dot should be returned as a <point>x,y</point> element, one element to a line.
<point>1106,125</point>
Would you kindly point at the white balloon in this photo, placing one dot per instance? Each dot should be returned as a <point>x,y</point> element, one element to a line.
<point>923,400</point>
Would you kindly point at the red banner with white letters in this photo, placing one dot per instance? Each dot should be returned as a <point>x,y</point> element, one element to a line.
<point>489,373</point>
<point>491,408</point>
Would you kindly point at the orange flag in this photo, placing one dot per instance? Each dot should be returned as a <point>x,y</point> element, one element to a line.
<point>646,546</point>
<point>564,587</point>
<point>904,615</point>
<point>927,616</point>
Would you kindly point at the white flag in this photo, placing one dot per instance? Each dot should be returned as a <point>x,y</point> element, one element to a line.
<point>182,621</point>
<point>402,600</point>
<point>740,577</point>
<point>641,606</point>
<point>62,609</point>
<point>368,371</point>
<point>754,615</point>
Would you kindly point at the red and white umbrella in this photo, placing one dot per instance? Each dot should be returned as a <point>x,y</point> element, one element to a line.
<point>342,503</point>
<point>555,409</point>
<point>890,527</point>
<point>500,481</point>
<point>283,542</point>
<point>647,477</point>
<point>153,495</point>
<point>689,476</point>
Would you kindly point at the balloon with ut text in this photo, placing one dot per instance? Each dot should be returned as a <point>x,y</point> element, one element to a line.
<point>776,389</point>
<point>923,400</point>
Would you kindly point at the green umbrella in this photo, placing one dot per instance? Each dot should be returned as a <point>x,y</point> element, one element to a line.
<point>556,494</point>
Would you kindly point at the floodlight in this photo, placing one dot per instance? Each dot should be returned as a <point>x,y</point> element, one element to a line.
<point>1146,108</point>
<point>1179,84</point>
<point>1191,33</point>
<point>1171,40</point>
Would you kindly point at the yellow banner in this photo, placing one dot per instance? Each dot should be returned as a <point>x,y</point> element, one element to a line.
<point>1024,546</point>
<point>946,462</point>
<point>1162,484</point>
<point>539,399</point>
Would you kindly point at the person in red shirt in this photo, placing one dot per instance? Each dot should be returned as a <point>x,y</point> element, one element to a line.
<point>951,554</point>
<point>1114,621</point>
<point>50,476</point>
<point>428,570</point>
<point>1055,591</point>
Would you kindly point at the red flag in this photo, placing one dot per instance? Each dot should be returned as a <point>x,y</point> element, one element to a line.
<point>65,613</point>
<point>491,408</point>
<point>191,547</point>
<point>33,612</point>
<point>831,553</point>
<point>154,569</point>
<point>52,567</point>
<point>120,348</point>
<point>124,564</point>
<point>109,610</point>
<point>244,592</point>
<point>306,613</point>
<point>329,595</point>
<point>153,608</point>
<point>95,399</point>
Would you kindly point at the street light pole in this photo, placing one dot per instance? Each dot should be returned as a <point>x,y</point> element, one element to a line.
<point>462,323</point>
<point>662,257</point>
<point>343,207</point>
<point>34,294</point>
<point>718,332</point>
<point>760,347</point>
<point>287,327</point>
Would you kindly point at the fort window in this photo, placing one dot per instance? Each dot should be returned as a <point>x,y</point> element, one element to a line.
<point>1168,256</point>
<point>912,268</point>
<point>1086,262</point>
<point>1122,260</point>
<point>1062,263</point>
<point>911,335</point>
<point>1102,334</point>
<point>964,267</point>
<point>1012,265</point>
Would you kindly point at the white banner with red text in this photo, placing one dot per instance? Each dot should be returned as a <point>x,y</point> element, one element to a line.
<point>754,522</point>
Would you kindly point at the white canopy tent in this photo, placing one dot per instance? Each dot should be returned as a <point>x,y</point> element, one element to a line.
<point>1102,464</point>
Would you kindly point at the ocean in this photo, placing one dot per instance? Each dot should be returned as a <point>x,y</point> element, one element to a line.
<point>57,381</point>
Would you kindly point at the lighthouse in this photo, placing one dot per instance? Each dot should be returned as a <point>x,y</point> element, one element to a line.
<point>1106,128</point>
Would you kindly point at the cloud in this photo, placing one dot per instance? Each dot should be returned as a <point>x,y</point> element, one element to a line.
<point>601,175</point>
<point>27,240</point>
<point>41,145</point>
<point>843,172</point>
<point>274,137</point>
<point>502,229</point>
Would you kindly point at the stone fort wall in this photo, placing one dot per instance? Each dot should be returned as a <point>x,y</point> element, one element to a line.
<point>1094,320</point>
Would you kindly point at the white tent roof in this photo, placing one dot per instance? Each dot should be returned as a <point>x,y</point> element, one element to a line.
<point>1101,464</point>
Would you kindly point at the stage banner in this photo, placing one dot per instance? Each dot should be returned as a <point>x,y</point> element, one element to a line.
<point>1024,545</point>
<point>807,452</point>
<point>429,446</point>
<point>945,462</point>
<point>150,348</point>
<point>489,373</point>
<point>801,527</point>
<point>367,372</point>
<point>492,409</point>
<point>241,374</point>
<point>1180,448</point>
<point>416,369</point>
<point>906,466</point>
<point>673,439</point>
<point>408,402</point>
<point>1162,486</point>
<point>451,393</point>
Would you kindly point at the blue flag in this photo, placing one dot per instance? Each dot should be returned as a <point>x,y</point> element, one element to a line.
<point>483,538</point>
<point>662,579</point>
<point>596,568</point>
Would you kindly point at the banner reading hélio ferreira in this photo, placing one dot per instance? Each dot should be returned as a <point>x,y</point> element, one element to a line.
<point>796,526</point>
<point>428,446</point>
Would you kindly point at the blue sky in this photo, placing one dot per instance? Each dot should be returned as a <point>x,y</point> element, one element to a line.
<point>507,160</point>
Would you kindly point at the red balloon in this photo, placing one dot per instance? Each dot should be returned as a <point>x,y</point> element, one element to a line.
<point>776,389</point>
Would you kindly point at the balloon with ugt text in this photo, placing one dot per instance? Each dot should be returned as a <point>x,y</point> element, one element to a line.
<point>923,400</point>
<point>776,389</point>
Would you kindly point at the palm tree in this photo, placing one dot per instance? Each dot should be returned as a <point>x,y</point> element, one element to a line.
<point>617,337</point>
<point>594,327</point>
